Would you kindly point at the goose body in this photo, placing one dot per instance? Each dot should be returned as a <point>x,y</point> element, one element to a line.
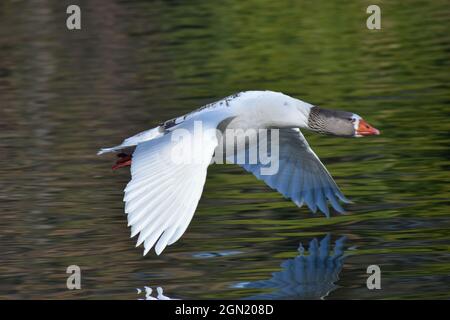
<point>169,162</point>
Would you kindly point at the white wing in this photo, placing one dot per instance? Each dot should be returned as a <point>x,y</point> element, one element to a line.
<point>166,185</point>
<point>301,176</point>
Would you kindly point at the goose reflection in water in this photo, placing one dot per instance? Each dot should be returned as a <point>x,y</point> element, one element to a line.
<point>307,276</point>
<point>311,276</point>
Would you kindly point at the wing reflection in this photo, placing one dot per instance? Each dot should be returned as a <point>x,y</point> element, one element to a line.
<point>158,296</point>
<point>311,276</point>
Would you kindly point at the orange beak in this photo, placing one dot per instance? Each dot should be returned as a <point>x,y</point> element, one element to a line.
<point>365,129</point>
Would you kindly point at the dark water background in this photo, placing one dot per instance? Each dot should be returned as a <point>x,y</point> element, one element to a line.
<point>64,94</point>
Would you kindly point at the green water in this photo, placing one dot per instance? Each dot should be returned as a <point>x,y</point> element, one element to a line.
<point>64,94</point>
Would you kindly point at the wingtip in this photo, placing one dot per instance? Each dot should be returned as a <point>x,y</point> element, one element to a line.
<point>133,234</point>
<point>105,150</point>
<point>339,209</point>
<point>323,207</point>
<point>344,198</point>
<point>324,210</point>
<point>146,250</point>
<point>159,248</point>
<point>140,241</point>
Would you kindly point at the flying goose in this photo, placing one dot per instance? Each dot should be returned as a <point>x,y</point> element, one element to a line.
<point>162,196</point>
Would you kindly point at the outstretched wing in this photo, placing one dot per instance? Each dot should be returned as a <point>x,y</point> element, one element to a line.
<point>301,176</point>
<point>168,175</point>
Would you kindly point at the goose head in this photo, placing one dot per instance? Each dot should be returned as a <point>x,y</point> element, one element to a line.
<point>339,123</point>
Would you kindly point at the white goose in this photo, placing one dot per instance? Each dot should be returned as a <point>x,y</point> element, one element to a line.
<point>162,196</point>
